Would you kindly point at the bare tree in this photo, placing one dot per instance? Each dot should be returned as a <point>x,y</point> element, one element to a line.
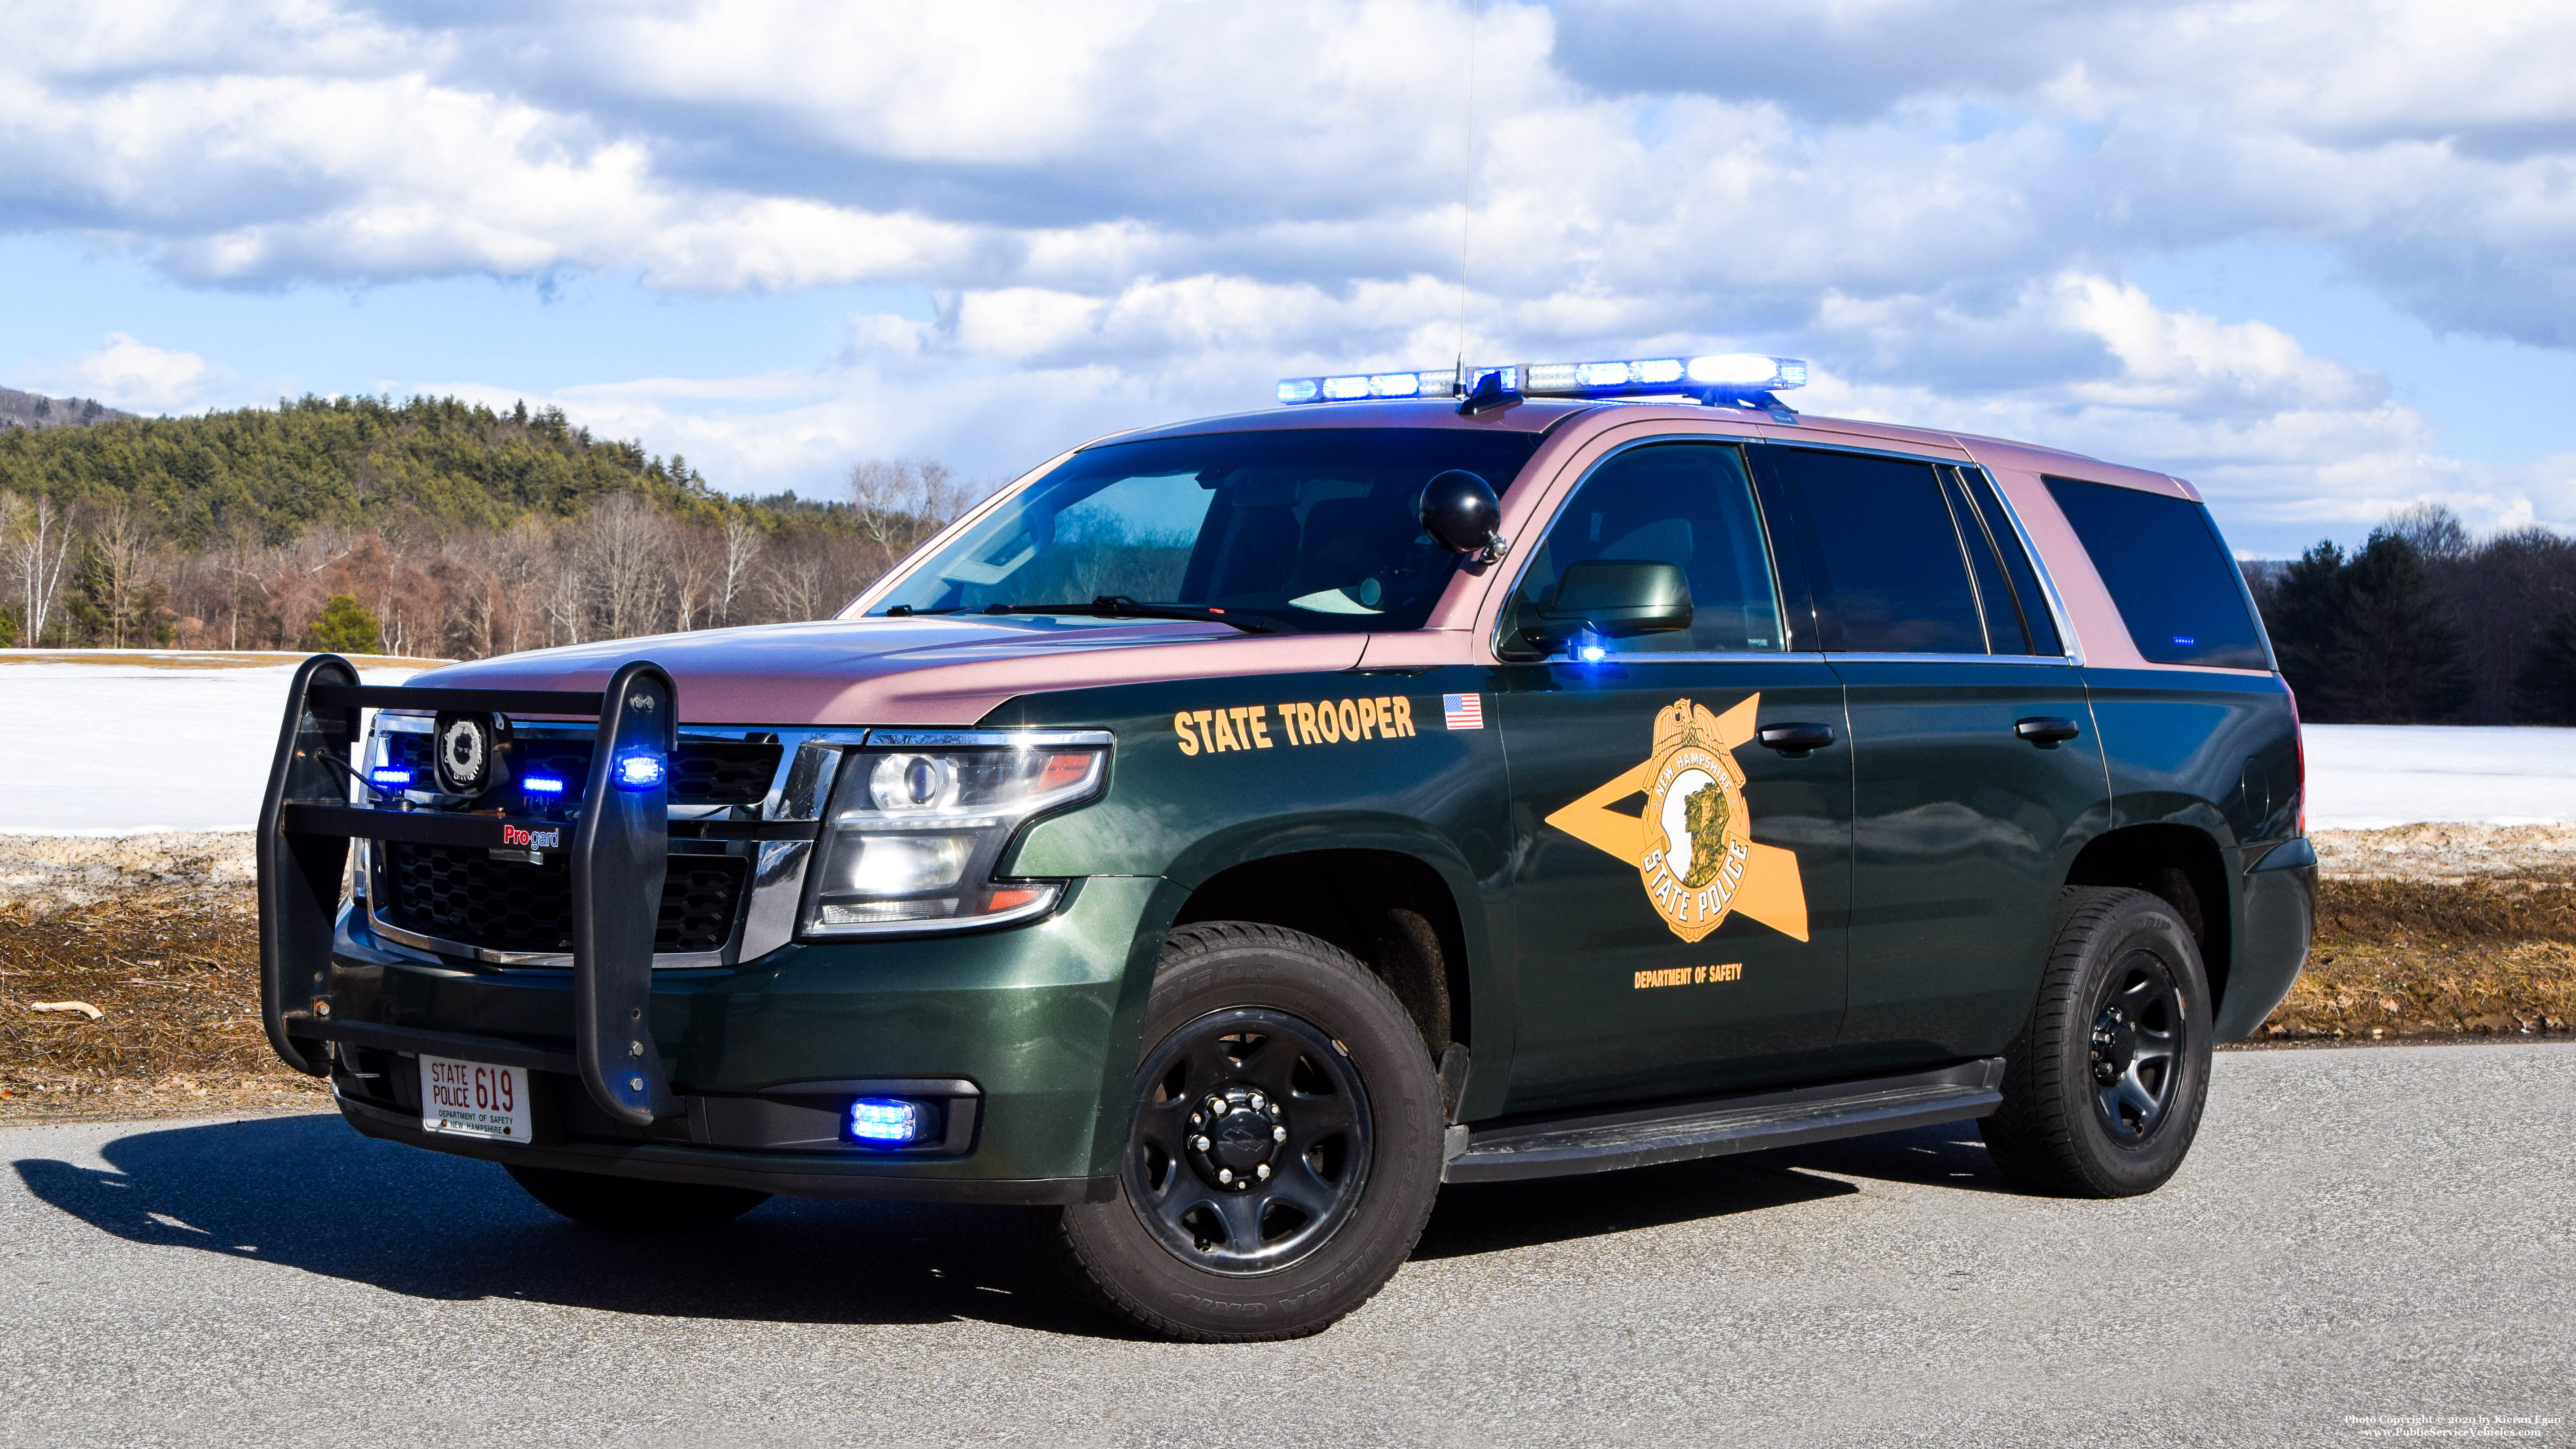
<point>38,540</point>
<point>622,549</point>
<point>697,573</point>
<point>898,502</point>
<point>742,545</point>
<point>121,542</point>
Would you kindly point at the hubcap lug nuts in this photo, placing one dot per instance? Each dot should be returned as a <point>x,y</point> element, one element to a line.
<point>1264,1170</point>
<point>1216,1105</point>
<point>1200,1143</point>
<point>1225,1174</point>
<point>1256,1101</point>
<point>1278,1134</point>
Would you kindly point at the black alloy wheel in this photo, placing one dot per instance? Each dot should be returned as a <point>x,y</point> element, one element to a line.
<point>2104,1085</point>
<point>2138,1029</point>
<point>1252,1141</point>
<point>1281,1148</point>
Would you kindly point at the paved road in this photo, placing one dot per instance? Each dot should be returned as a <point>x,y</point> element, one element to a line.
<point>2362,1232</point>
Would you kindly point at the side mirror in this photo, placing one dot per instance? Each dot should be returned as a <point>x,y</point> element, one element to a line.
<point>1615,598</point>
<point>1460,514</point>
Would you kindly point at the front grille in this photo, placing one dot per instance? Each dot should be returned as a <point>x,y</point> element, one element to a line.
<point>462,894</point>
<point>703,772</point>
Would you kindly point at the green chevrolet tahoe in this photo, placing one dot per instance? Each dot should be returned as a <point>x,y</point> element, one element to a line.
<point>1230,832</point>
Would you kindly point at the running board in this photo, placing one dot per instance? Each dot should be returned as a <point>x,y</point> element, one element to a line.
<point>1560,1146</point>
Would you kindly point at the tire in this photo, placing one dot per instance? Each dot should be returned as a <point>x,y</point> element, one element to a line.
<point>2103,1088</point>
<point>635,1204</point>
<point>1289,1207</point>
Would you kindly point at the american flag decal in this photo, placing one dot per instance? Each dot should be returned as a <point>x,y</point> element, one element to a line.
<point>1465,711</point>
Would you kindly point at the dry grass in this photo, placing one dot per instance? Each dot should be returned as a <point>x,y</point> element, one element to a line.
<point>175,970</point>
<point>2436,958</point>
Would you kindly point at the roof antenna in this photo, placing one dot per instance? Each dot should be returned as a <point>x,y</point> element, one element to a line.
<point>1467,194</point>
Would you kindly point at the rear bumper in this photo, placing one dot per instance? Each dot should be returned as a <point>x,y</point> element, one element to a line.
<point>2272,947</point>
<point>1023,1034</point>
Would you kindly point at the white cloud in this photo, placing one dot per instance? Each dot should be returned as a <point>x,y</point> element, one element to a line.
<point>139,377</point>
<point>1134,209</point>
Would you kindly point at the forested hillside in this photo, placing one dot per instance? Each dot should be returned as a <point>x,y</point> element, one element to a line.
<point>429,526</point>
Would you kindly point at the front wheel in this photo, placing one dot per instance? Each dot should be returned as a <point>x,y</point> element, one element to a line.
<point>1284,1147</point>
<point>2103,1089</point>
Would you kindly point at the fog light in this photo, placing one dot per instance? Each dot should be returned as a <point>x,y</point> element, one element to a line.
<point>890,1121</point>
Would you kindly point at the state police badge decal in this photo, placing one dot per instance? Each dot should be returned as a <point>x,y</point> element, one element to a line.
<point>1693,845</point>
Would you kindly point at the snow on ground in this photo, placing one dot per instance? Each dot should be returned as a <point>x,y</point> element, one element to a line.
<point>120,742</point>
<point>2366,777</point>
<point>117,742</point>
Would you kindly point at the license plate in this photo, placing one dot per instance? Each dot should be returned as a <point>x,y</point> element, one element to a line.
<point>471,1099</point>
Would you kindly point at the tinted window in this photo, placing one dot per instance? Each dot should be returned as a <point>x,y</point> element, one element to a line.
<point>1882,556</point>
<point>1680,503</point>
<point>2040,626</point>
<point>1317,527</point>
<point>2168,570</point>
<point>2004,632</point>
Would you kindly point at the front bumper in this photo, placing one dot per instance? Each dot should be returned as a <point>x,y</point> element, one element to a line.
<point>1025,1033</point>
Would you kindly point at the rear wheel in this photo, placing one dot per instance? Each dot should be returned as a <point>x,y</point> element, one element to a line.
<point>2103,1089</point>
<point>634,1204</point>
<point>1284,1146</point>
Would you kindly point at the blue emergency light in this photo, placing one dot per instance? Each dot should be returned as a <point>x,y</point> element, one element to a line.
<point>396,779</point>
<point>1735,377</point>
<point>889,1120</point>
<point>638,772</point>
<point>541,785</point>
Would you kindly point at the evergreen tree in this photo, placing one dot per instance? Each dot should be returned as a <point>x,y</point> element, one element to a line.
<point>2547,684</point>
<point>346,627</point>
<point>2303,611</point>
<point>2398,658</point>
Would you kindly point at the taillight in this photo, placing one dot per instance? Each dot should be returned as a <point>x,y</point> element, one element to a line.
<point>2299,750</point>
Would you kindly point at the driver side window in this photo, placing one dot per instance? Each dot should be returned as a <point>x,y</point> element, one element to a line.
<point>1689,504</point>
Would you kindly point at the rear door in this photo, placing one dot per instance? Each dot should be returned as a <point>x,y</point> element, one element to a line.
<point>1677,889</point>
<point>1976,773</point>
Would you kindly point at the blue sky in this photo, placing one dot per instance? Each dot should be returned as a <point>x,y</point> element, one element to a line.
<point>2319,259</point>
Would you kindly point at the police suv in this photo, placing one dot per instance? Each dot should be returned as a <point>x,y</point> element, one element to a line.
<point>1232,831</point>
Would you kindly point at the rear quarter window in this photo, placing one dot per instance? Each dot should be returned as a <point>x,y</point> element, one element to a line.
<point>2168,570</point>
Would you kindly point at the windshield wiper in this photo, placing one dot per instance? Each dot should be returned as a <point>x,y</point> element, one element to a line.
<point>1119,606</point>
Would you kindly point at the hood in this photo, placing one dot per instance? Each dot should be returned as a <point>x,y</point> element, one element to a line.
<point>934,671</point>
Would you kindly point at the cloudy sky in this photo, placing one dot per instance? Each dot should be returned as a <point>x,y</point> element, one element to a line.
<point>2319,258</point>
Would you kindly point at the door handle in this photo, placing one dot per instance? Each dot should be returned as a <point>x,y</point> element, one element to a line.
<point>1795,741</point>
<point>2046,730</point>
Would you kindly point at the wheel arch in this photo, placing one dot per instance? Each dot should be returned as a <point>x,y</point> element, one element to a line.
<point>2180,864</point>
<point>1397,912</point>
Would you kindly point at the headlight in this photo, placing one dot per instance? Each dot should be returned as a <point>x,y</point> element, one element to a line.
<point>913,833</point>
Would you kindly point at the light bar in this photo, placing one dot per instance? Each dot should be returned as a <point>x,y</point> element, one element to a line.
<point>639,772</point>
<point>392,778</point>
<point>1352,387</point>
<point>889,1120</point>
<point>1731,374</point>
<point>541,785</point>
<point>1728,377</point>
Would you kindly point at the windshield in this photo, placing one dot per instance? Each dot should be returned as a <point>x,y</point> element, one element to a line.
<point>1308,529</point>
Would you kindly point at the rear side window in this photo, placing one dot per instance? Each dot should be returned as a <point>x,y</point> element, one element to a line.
<point>2039,630</point>
<point>1882,556</point>
<point>2168,570</point>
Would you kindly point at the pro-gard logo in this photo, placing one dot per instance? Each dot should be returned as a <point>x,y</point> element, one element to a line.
<point>1693,847</point>
<point>512,835</point>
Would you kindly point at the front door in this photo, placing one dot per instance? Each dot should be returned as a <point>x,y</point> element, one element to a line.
<point>1977,776</point>
<point>1678,888</point>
